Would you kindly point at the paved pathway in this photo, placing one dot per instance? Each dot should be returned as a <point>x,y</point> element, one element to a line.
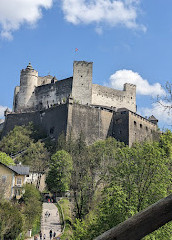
<point>50,220</point>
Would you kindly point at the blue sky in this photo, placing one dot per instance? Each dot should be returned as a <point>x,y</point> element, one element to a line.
<point>128,41</point>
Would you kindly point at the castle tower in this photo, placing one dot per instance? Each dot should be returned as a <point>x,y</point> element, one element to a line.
<point>28,82</point>
<point>131,95</point>
<point>82,82</point>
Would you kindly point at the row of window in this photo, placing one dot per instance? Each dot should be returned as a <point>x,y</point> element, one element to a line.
<point>141,126</point>
<point>135,124</point>
<point>4,180</point>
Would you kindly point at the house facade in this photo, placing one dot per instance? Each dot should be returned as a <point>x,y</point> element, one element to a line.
<point>12,179</point>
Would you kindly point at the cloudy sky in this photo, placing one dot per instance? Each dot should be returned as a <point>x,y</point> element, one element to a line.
<point>128,41</point>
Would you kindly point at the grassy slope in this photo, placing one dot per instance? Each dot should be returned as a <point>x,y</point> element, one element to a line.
<point>66,206</point>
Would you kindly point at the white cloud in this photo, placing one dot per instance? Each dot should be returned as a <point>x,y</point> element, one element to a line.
<point>14,13</point>
<point>112,12</point>
<point>119,78</point>
<point>160,111</point>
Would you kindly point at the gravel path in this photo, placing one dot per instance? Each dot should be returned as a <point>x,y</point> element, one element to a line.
<point>50,220</point>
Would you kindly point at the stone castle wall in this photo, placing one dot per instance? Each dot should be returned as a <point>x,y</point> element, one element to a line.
<point>110,97</point>
<point>130,127</point>
<point>140,128</point>
<point>121,126</point>
<point>28,81</point>
<point>93,122</point>
<point>45,80</point>
<point>48,95</point>
<point>52,121</point>
<point>44,96</point>
<point>96,123</point>
<point>82,82</point>
<point>37,92</point>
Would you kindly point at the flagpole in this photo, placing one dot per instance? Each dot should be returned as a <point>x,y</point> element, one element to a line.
<point>76,50</point>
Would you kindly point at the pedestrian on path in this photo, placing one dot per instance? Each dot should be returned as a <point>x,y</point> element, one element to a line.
<point>40,235</point>
<point>44,236</point>
<point>51,234</point>
<point>54,234</point>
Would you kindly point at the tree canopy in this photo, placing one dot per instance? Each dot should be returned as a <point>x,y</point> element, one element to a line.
<point>11,221</point>
<point>58,178</point>
<point>134,178</point>
<point>7,160</point>
<point>16,140</point>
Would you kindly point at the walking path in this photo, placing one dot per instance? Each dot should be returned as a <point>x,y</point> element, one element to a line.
<point>50,220</point>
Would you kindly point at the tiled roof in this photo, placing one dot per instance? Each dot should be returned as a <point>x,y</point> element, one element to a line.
<point>152,118</point>
<point>20,169</point>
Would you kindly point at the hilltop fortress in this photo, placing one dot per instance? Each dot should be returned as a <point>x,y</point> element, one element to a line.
<point>76,104</point>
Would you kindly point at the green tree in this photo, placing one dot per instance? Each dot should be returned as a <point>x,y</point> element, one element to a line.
<point>143,173</point>
<point>91,169</point>
<point>36,156</point>
<point>4,158</point>
<point>11,221</point>
<point>102,155</point>
<point>108,213</point>
<point>166,143</point>
<point>68,144</point>
<point>138,177</point>
<point>20,138</point>
<point>81,185</point>
<point>59,175</point>
<point>16,140</point>
<point>81,181</point>
<point>32,206</point>
<point>61,143</point>
<point>163,233</point>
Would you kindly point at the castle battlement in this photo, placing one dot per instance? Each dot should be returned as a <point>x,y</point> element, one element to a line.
<point>83,63</point>
<point>129,86</point>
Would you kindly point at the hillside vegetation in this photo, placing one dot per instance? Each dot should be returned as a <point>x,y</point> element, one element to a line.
<point>108,181</point>
<point>111,182</point>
